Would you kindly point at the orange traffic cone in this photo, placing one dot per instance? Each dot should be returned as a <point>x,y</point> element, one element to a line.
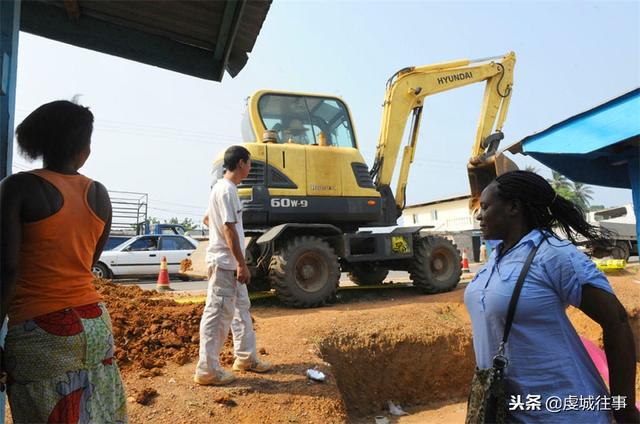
<point>163,276</point>
<point>465,261</point>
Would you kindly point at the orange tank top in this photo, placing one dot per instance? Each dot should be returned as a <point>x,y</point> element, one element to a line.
<point>56,253</point>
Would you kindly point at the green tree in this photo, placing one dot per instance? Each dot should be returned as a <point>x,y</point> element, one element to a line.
<point>583,194</point>
<point>578,193</point>
<point>559,181</point>
<point>531,168</point>
<point>567,193</point>
<point>188,224</point>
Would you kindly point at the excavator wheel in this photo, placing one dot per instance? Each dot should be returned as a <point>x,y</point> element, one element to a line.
<point>305,272</point>
<point>366,274</point>
<point>435,267</point>
<point>621,250</point>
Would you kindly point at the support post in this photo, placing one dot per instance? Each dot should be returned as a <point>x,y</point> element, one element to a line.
<point>9,29</point>
<point>634,177</point>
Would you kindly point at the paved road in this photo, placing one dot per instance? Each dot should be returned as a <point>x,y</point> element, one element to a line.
<point>201,285</point>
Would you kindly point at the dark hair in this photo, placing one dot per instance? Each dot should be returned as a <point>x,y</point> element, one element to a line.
<point>56,131</point>
<point>233,155</point>
<point>543,208</point>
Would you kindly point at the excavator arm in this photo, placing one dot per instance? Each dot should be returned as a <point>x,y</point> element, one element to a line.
<point>404,97</point>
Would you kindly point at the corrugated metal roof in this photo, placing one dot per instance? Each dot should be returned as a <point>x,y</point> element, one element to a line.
<point>202,38</point>
<point>600,146</point>
<point>594,147</point>
<point>597,128</point>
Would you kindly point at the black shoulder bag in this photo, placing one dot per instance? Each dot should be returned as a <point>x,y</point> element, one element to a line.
<point>487,401</point>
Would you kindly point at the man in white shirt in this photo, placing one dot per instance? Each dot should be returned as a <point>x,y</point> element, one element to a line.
<point>227,296</point>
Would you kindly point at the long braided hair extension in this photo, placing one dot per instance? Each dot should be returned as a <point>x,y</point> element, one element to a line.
<point>545,209</point>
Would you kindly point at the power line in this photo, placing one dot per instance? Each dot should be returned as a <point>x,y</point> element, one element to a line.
<point>179,204</point>
<point>165,133</point>
<point>178,131</point>
<point>172,137</point>
<point>177,212</point>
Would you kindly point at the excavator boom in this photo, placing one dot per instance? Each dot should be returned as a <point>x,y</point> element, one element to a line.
<point>404,97</point>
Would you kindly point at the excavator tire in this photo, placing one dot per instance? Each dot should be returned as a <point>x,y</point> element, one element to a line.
<point>621,250</point>
<point>599,252</point>
<point>305,272</point>
<point>367,275</point>
<point>435,267</point>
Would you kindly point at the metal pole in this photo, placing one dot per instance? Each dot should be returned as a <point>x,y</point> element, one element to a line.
<point>9,30</point>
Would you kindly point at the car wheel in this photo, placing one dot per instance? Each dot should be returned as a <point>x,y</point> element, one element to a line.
<point>100,270</point>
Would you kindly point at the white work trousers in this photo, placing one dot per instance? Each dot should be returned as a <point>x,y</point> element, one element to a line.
<point>227,305</point>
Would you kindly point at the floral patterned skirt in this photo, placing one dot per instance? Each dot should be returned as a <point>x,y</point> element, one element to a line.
<point>61,368</point>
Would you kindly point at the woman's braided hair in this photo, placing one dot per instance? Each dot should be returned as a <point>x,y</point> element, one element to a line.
<point>544,209</point>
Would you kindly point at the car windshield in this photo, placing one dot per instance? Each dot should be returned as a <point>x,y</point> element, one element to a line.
<point>306,120</point>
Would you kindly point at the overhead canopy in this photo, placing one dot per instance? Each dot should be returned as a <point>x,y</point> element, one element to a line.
<point>198,38</point>
<point>594,147</point>
<point>201,38</point>
<point>600,146</point>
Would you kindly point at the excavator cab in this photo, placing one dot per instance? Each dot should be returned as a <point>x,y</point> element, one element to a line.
<point>305,120</point>
<point>306,166</point>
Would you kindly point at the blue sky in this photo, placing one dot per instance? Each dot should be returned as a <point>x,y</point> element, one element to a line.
<point>158,131</point>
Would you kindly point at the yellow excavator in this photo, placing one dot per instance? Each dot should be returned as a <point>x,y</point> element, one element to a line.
<point>310,196</point>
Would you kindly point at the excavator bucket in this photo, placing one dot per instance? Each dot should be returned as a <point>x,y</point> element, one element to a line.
<point>482,173</point>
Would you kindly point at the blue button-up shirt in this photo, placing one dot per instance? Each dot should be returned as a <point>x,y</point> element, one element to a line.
<point>546,356</point>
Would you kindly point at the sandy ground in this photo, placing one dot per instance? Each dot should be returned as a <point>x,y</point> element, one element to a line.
<point>374,345</point>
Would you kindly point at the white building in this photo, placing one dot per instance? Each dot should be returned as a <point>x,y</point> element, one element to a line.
<point>446,215</point>
<point>449,217</point>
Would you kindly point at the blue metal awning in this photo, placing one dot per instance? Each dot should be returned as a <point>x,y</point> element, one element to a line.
<point>600,146</point>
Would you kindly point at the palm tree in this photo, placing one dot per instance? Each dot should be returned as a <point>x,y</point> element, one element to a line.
<point>559,181</point>
<point>531,168</point>
<point>583,194</point>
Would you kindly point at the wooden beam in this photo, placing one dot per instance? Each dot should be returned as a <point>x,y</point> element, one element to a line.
<point>73,9</point>
<point>49,21</point>
<point>228,30</point>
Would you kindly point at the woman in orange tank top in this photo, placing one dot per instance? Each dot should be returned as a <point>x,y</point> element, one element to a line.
<point>59,348</point>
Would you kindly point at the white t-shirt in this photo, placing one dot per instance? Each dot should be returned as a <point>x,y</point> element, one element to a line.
<point>224,207</point>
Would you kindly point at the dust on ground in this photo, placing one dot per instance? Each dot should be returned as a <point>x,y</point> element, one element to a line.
<point>375,346</point>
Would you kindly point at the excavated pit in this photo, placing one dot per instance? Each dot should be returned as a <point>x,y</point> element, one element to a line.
<point>421,357</point>
<point>371,369</point>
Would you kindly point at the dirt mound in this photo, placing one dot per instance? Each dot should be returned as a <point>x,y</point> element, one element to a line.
<point>150,329</point>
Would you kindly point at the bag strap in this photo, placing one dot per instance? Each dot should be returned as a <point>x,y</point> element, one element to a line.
<point>500,361</point>
<point>516,293</point>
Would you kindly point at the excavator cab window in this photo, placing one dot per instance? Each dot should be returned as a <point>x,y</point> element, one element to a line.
<point>307,120</point>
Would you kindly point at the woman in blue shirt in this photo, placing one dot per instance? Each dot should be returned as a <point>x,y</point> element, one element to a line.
<point>550,377</point>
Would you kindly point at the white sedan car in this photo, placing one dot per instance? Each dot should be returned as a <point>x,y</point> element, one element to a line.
<point>141,256</point>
